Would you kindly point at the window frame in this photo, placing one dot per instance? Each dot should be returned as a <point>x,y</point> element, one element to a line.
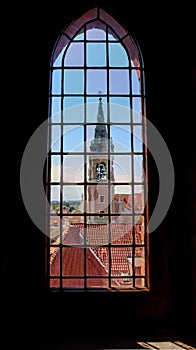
<point>68,32</point>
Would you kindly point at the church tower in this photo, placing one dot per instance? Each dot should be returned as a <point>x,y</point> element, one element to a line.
<point>100,170</point>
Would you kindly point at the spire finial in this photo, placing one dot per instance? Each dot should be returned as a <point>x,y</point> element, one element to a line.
<point>100,92</point>
<point>100,115</point>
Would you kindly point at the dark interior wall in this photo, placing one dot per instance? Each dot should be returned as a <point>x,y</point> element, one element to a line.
<point>162,40</point>
<point>192,193</point>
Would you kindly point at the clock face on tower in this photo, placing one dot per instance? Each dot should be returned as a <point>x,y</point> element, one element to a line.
<point>101,172</point>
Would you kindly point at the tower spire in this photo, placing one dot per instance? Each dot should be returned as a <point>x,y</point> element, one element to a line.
<point>100,141</point>
<point>100,130</point>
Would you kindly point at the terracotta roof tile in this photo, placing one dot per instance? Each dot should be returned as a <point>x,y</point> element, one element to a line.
<point>73,254</point>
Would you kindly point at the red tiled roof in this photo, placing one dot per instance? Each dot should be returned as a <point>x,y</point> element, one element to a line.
<point>96,256</point>
<point>127,199</point>
<point>73,262</point>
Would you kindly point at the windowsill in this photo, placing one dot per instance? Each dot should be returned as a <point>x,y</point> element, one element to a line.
<point>92,290</point>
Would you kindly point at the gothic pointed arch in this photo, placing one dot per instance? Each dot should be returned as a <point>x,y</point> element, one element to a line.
<point>97,159</point>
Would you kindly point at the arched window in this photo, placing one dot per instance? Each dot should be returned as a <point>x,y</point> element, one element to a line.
<point>97,158</point>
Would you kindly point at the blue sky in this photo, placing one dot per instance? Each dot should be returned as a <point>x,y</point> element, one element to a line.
<point>73,106</point>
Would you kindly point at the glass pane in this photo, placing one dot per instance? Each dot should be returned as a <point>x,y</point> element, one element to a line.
<point>95,142</point>
<point>92,104</point>
<point>73,138</point>
<point>121,200</point>
<point>97,283</point>
<point>119,81</point>
<point>73,81</point>
<point>56,81</point>
<point>112,168</point>
<point>135,82</point>
<point>56,109</point>
<point>90,134</point>
<point>121,136</point>
<point>73,283</point>
<point>123,283</point>
<point>55,199</point>
<point>96,31</point>
<point>73,258</point>
<point>97,234</point>
<point>139,261</point>
<point>74,55</point>
<point>54,283</point>
<point>56,138</point>
<point>117,55</point>
<point>55,229</point>
<point>96,265</point>
<point>72,236</point>
<point>120,262</point>
<point>102,254</point>
<point>73,168</point>
<point>122,168</point>
<point>97,168</point>
<point>96,54</point>
<point>137,110</point>
<point>137,139</point>
<point>54,261</point>
<point>139,282</point>
<point>139,229</point>
<point>138,168</point>
<point>72,198</point>
<point>55,168</point>
<point>120,109</point>
<point>97,201</point>
<point>121,231</point>
<point>96,81</point>
<point>139,199</point>
<point>73,109</point>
